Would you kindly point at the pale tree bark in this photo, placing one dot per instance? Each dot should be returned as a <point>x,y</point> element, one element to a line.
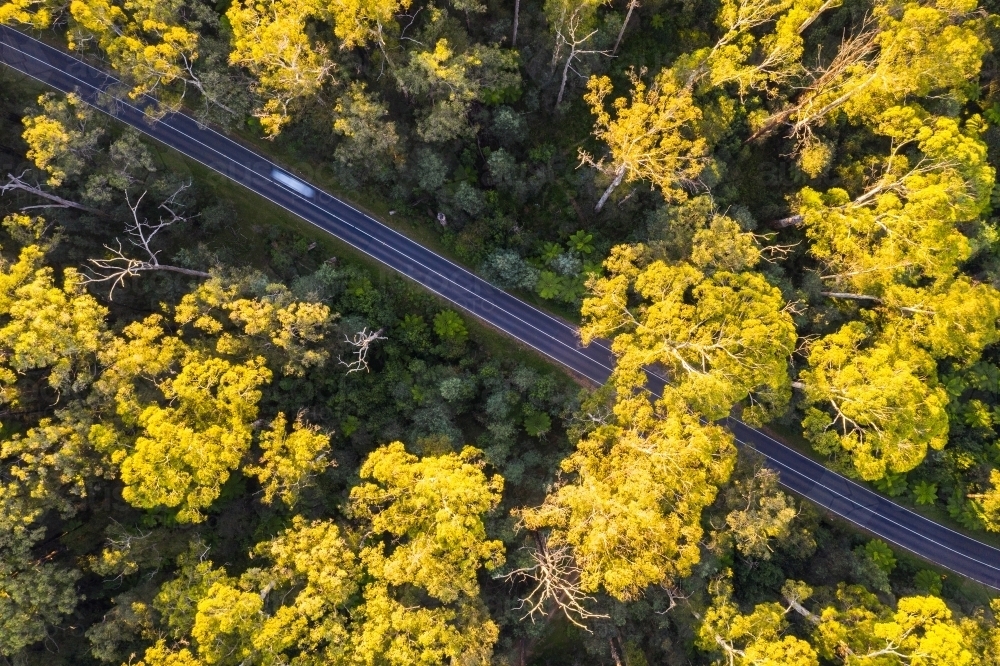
<point>873,299</point>
<point>855,50</point>
<point>18,183</point>
<point>619,175</point>
<point>566,36</point>
<point>141,234</point>
<point>621,33</point>
<point>517,14</point>
<point>785,222</point>
<point>361,343</point>
<point>556,581</point>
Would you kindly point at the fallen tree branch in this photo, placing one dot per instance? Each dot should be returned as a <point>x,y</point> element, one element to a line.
<point>18,183</point>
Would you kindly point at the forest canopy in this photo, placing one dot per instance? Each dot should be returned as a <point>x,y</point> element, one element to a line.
<point>226,440</point>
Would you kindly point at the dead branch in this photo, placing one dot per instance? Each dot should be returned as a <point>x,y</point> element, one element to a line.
<point>839,79</point>
<point>574,43</point>
<point>557,585</point>
<point>362,343</point>
<point>18,183</point>
<point>140,234</point>
<point>873,299</point>
<point>775,253</point>
<point>793,221</point>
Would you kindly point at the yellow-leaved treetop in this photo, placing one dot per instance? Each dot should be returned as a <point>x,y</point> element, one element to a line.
<point>58,329</point>
<point>748,55</point>
<point>428,516</point>
<point>431,510</point>
<point>896,251</point>
<point>360,22</point>
<point>36,14</point>
<point>410,597</point>
<point>904,51</point>
<point>722,337</point>
<point>360,117</point>
<point>904,228</point>
<point>186,449</point>
<point>269,321</point>
<point>652,135</point>
<point>186,403</point>
<point>290,459</point>
<point>145,41</point>
<point>269,38</point>
<point>451,80</point>
<point>853,629</point>
<point>272,39</point>
<point>61,139</point>
<point>921,630</point>
<point>879,404</point>
<point>757,638</point>
<point>632,510</point>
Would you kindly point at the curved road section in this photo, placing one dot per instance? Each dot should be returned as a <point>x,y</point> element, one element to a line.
<point>548,335</point>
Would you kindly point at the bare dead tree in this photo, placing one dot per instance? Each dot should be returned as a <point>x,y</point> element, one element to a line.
<point>18,183</point>
<point>557,585</point>
<point>140,233</point>
<point>361,343</point>
<point>566,37</point>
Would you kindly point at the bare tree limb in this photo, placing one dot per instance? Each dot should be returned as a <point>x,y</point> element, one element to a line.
<point>140,234</point>
<point>18,183</point>
<point>362,343</point>
<point>872,299</point>
<point>785,222</point>
<point>557,584</point>
<point>574,43</point>
<point>621,33</point>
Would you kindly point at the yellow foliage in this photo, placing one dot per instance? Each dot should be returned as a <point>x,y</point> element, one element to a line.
<point>143,39</point>
<point>879,402</point>
<point>395,634</point>
<point>721,338</point>
<point>60,329</point>
<point>290,460</point>
<point>269,39</point>
<point>651,136</point>
<point>432,507</point>
<point>632,512</point>
<point>186,452</point>
<point>36,14</point>
<point>161,655</point>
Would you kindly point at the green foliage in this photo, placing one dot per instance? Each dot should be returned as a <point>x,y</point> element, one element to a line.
<point>925,492</point>
<point>449,326</point>
<point>537,424</point>
<point>881,554</point>
<point>928,581</point>
<point>892,485</point>
<point>581,242</point>
<point>34,595</point>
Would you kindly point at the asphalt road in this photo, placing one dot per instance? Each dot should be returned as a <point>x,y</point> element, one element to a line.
<point>550,336</point>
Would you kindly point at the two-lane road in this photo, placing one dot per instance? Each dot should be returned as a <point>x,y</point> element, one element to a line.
<point>548,335</point>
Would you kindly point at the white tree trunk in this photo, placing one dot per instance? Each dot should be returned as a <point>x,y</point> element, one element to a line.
<point>517,12</point>
<point>611,188</point>
<point>621,33</point>
<point>565,73</point>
